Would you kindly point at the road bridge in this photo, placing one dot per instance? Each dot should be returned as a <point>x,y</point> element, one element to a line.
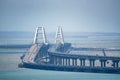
<point>61,55</point>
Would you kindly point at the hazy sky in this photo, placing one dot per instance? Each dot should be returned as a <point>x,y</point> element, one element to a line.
<point>72,15</point>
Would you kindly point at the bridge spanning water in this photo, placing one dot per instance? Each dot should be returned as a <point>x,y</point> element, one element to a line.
<point>62,56</point>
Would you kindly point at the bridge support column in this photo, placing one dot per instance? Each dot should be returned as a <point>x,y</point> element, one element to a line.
<point>115,64</point>
<point>51,59</point>
<point>60,61</point>
<point>69,61</point>
<point>82,62</point>
<point>55,60</point>
<point>63,62</point>
<point>66,61</point>
<point>103,63</point>
<point>75,62</point>
<point>92,62</point>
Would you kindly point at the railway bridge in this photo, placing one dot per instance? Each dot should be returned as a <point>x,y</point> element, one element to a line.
<point>64,55</point>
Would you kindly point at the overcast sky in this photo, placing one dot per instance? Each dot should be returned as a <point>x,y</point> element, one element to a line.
<point>72,15</point>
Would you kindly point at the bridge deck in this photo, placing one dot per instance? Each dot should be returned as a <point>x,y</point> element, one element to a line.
<point>68,55</point>
<point>89,53</point>
<point>32,53</point>
<point>97,53</point>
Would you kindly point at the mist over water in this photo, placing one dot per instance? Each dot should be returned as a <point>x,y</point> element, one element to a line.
<point>81,39</point>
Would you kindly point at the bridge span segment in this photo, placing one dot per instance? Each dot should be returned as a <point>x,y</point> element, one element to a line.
<point>60,56</point>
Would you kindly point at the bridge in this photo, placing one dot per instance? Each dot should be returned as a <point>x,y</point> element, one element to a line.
<point>37,46</point>
<point>64,55</point>
<point>33,51</point>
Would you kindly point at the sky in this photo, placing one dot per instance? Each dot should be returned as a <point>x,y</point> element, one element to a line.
<point>71,15</point>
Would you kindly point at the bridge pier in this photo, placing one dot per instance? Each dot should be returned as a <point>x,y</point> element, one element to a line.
<point>103,63</point>
<point>59,61</point>
<point>51,59</point>
<point>63,63</point>
<point>73,62</point>
<point>92,62</point>
<point>68,61</point>
<point>115,63</point>
<point>55,60</point>
<point>82,62</point>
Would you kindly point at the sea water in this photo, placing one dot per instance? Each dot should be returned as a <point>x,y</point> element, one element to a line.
<point>9,69</point>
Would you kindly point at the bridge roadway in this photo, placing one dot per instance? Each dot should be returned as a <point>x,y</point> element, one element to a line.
<point>93,49</point>
<point>52,51</point>
<point>65,58</point>
<point>59,54</point>
<point>32,53</point>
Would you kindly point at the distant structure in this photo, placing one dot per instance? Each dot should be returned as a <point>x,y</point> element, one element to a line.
<point>59,36</point>
<point>40,35</point>
<point>62,56</point>
<point>104,52</point>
